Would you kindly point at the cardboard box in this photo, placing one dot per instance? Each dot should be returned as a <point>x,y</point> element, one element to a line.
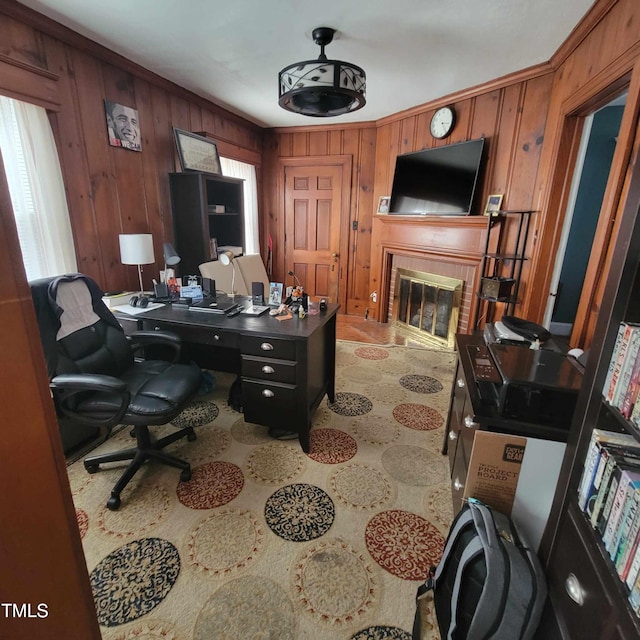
<point>494,469</point>
<point>517,476</point>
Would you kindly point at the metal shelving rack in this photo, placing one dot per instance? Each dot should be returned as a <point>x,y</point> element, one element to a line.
<point>500,281</point>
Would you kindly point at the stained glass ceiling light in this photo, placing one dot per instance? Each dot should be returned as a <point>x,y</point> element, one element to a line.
<point>322,88</point>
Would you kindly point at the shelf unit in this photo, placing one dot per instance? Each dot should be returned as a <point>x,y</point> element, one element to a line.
<point>587,597</point>
<point>194,197</point>
<point>501,272</point>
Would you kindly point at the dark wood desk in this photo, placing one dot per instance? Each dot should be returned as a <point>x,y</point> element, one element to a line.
<point>287,366</point>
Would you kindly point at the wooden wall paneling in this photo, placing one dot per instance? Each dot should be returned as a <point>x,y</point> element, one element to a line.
<point>364,207</point>
<point>335,142</point>
<point>126,166</point>
<point>23,43</point>
<point>465,118</point>
<point>423,135</point>
<point>165,158</point>
<point>318,143</point>
<point>301,143</point>
<point>73,161</point>
<point>406,141</point>
<point>42,556</point>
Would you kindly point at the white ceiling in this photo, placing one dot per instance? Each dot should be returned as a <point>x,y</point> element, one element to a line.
<point>413,51</point>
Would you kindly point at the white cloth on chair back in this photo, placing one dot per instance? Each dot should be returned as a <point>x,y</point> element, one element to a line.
<point>74,298</point>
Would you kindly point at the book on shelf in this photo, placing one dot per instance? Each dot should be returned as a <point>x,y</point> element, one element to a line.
<point>631,394</point>
<point>628,483</point>
<point>612,457</point>
<point>628,536</point>
<point>626,371</point>
<point>634,569</point>
<point>634,586</point>
<point>599,437</point>
<point>618,356</point>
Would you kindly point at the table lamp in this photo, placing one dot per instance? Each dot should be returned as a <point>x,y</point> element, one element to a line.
<point>137,248</point>
<point>226,257</point>
<point>171,258</point>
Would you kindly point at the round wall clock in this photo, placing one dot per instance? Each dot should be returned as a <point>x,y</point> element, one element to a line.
<point>442,122</point>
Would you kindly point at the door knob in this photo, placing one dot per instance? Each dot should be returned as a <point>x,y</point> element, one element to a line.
<point>334,255</point>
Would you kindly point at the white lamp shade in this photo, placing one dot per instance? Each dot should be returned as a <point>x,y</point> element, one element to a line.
<point>136,248</point>
<point>226,257</point>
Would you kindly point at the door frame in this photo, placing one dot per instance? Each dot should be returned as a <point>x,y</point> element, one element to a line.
<point>567,131</point>
<point>345,162</point>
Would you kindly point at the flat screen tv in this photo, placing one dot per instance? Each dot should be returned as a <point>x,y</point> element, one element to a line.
<point>438,181</point>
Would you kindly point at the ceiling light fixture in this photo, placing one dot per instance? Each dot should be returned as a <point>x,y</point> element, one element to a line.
<point>322,88</point>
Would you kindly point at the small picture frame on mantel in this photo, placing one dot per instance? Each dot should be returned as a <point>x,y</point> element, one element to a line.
<point>383,204</point>
<point>494,202</point>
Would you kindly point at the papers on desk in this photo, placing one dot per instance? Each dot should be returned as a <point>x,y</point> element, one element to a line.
<point>134,311</point>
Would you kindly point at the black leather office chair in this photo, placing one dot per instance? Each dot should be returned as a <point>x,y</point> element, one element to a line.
<point>96,381</point>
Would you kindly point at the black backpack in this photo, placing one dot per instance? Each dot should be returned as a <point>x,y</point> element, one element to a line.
<point>489,585</point>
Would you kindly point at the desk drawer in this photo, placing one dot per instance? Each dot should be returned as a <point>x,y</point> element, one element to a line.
<point>270,404</point>
<point>268,347</point>
<point>194,334</point>
<point>269,369</point>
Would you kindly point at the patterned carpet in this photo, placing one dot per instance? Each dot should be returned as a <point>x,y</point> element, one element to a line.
<point>266,542</point>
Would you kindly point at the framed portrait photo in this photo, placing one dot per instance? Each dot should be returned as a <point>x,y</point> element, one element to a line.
<point>383,204</point>
<point>197,153</point>
<point>494,202</point>
<point>275,293</point>
<point>123,126</point>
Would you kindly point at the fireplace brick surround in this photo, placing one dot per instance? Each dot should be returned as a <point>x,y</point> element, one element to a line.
<point>450,246</point>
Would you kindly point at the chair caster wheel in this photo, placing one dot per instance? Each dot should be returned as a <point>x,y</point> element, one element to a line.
<point>132,433</point>
<point>191,436</point>
<point>113,503</point>
<point>91,468</point>
<point>185,475</point>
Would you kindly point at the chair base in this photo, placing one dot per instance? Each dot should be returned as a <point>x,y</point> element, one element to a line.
<point>145,449</point>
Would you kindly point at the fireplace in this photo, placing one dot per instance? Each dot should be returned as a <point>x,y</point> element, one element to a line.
<point>427,306</point>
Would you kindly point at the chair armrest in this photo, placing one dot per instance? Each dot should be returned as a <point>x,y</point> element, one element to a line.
<point>140,339</point>
<point>67,389</point>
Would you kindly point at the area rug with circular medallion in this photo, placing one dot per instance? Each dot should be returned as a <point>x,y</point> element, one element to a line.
<point>267,542</point>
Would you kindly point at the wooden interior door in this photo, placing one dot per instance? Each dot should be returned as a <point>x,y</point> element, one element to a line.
<point>313,214</point>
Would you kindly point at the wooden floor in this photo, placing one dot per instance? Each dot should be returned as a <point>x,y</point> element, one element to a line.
<point>358,329</point>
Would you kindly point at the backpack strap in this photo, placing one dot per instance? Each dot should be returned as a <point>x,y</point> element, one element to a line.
<point>463,519</point>
<point>473,549</point>
<point>497,581</point>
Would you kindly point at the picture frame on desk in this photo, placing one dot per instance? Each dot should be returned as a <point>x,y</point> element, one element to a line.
<point>197,153</point>
<point>275,293</point>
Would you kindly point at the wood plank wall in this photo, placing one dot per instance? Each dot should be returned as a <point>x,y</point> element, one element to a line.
<point>110,190</point>
<point>511,117</point>
<point>113,190</point>
<point>357,141</point>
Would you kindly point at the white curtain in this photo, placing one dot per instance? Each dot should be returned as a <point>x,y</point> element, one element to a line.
<point>236,169</point>
<point>36,187</point>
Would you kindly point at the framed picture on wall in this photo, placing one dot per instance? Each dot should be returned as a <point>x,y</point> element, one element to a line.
<point>197,153</point>
<point>123,126</point>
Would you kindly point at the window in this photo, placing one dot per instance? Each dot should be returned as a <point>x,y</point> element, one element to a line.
<point>36,187</point>
<point>236,169</point>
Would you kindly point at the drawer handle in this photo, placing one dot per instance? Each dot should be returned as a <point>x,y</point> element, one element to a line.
<point>268,369</point>
<point>157,329</point>
<point>574,589</point>
<point>267,393</point>
<point>216,337</point>
<point>469,423</point>
<point>266,346</point>
<point>457,485</point>
<point>460,383</point>
<point>452,435</point>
